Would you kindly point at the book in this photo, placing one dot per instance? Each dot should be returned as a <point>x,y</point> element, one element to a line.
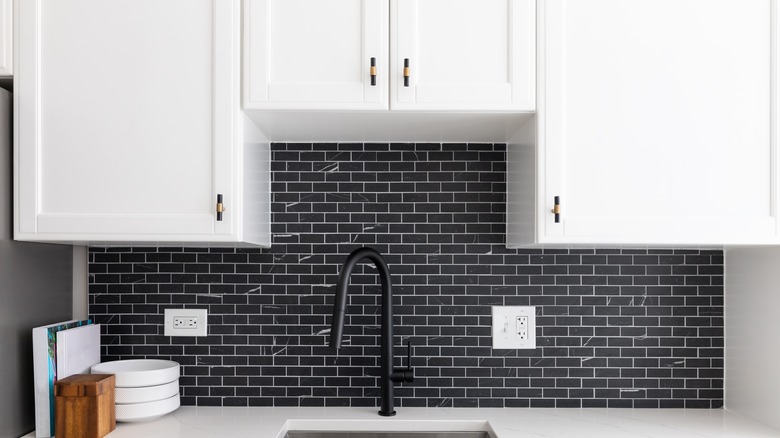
<point>45,373</point>
<point>77,350</point>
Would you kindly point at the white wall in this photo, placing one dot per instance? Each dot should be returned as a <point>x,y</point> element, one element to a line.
<point>752,308</point>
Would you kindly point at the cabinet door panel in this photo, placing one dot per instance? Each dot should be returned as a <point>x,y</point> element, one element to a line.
<point>131,129</point>
<point>463,54</point>
<point>657,119</point>
<point>310,54</point>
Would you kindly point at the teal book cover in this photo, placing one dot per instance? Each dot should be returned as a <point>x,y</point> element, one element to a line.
<point>45,373</point>
<point>51,339</point>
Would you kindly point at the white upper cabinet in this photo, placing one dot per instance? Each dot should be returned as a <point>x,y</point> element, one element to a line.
<point>6,38</point>
<point>655,125</point>
<point>314,54</point>
<point>430,57</point>
<point>462,55</point>
<point>129,126</point>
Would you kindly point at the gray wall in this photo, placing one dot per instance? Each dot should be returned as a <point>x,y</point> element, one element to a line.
<point>752,347</point>
<point>35,289</point>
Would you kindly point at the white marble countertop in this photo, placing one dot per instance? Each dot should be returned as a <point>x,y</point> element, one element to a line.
<point>208,422</point>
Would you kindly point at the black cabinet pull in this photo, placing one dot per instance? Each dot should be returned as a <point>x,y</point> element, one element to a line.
<point>557,209</point>
<point>407,72</point>
<point>220,207</point>
<point>373,72</point>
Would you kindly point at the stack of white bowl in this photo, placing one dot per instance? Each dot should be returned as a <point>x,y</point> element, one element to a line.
<point>145,388</point>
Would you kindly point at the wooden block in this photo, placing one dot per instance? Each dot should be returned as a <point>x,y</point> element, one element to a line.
<point>84,406</point>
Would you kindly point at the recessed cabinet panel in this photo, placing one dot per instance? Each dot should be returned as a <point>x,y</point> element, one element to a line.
<point>311,54</point>
<point>684,138</point>
<point>91,154</point>
<point>655,123</point>
<point>128,123</point>
<point>317,42</point>
<point>692,126</point>
<point>463,54</point>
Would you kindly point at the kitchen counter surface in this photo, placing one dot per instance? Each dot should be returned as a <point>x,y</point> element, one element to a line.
<point>237,422</point>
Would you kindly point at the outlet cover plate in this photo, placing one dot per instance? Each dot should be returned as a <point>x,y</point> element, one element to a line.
<point>507,328</point>
<point>200,326</point>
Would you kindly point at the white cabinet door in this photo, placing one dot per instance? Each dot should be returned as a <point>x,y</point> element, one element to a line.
<point>128,120</point>
<point>314,54</point>
<point>463,55</point>
<point>6,38</point>
<point>655,122</point>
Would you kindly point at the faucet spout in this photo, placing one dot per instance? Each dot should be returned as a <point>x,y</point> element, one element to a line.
<point>388,373</point>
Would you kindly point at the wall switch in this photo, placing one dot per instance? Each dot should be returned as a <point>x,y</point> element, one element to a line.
<point>514,327</point>
<point>186,322</point>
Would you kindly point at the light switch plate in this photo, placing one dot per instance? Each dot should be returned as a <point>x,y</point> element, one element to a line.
<point>186,322</point>
<point>514,327</point>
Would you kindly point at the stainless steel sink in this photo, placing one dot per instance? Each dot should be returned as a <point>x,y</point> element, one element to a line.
<point>356,434</point>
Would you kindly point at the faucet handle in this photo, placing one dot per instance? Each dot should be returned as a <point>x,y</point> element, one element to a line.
<point>408,372</point>
<point>404,374</point>
<point>409,354</point>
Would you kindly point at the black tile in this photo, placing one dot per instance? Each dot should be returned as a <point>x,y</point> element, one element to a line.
<point>617,327</point>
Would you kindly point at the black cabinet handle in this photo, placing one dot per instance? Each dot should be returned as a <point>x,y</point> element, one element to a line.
<point>220,207</point>
<point>557,209</point>
<point>373,72</point>
<point>407,72</point>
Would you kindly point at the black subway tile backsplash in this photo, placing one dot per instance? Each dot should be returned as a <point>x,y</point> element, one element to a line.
<point>615,327</point>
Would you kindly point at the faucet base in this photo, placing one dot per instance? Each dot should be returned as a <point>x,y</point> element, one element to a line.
<point>385,414</point>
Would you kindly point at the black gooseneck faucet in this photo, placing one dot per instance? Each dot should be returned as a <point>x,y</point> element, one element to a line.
<point>388,375</point>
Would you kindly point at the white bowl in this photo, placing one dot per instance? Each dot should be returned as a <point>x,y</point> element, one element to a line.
<point>147,411</point>
<point>146,394</point>
<point>133,373</point>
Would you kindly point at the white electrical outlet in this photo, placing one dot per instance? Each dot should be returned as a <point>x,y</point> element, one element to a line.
<point>522,327</point>
<point>514,327</point>
<point>186,322</point>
